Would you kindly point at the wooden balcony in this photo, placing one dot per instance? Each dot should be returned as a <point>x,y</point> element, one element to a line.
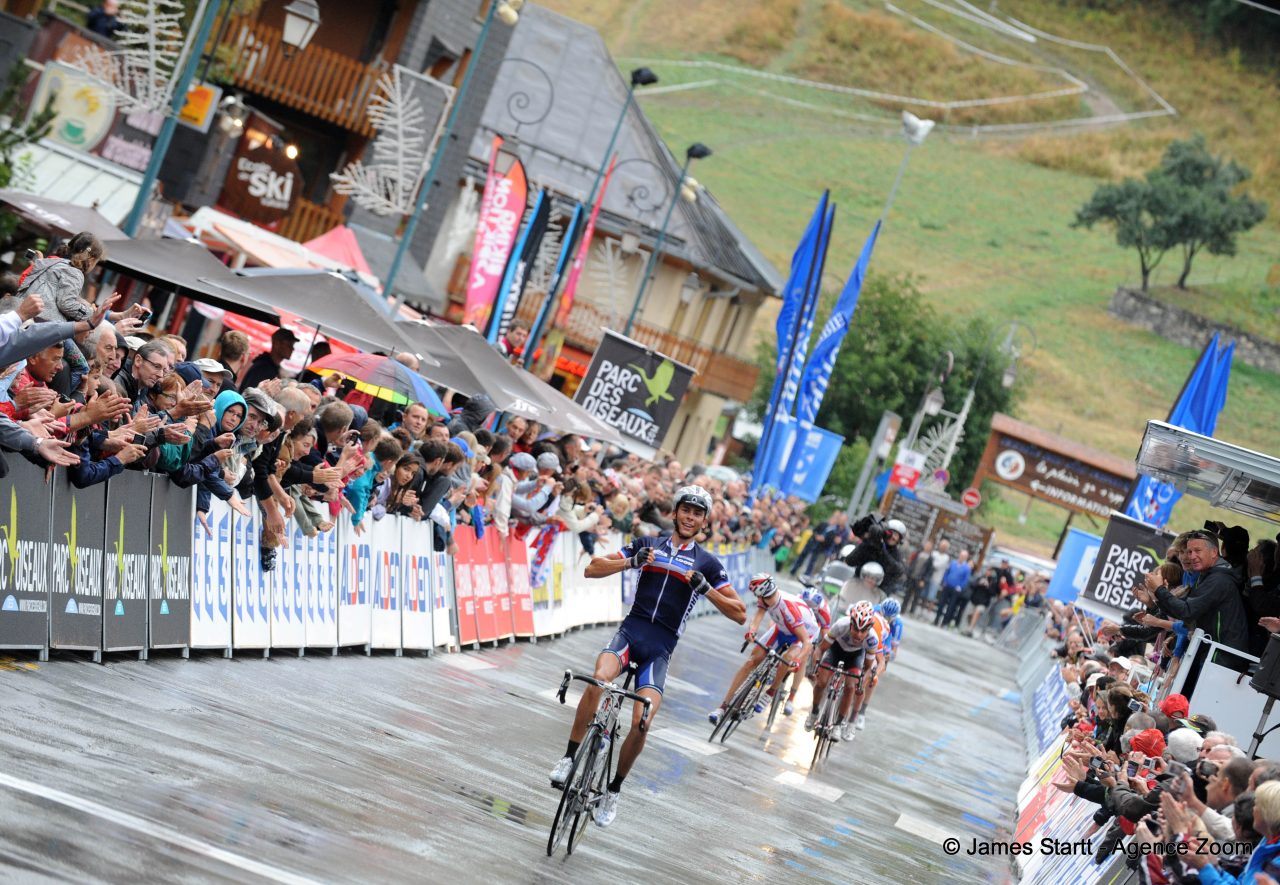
<point>316,81</point>
<point>717,372</point>
<point>309,220</point>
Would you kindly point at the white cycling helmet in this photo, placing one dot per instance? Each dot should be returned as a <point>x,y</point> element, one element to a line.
<point>762,586</point>
<point>873,571</point>
<point>897,525</point>
<point>695,495</point>
<point>862,614</point>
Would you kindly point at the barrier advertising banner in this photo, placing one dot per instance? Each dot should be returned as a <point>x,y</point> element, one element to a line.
<point>482,589</point>
<point>493,547</point>
<point>417,597</point>
<point>464,591</point>
<point>125,589</point>
<point>172,510</point>
<point>75,565</point>
<point>444,605</point>
<point>322,590</point>
<point>354,608</point>
<point>211,579</point>
<point>289,591</point>
<point>24,565</point>
<point>251,614</point>
<point>517,561</point>
<point>384,543</point>
<point>633,389</point>
<point>1129,550</point>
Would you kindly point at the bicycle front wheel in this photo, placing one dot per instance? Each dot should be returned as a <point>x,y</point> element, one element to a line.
<point>777,701</point>
<point>568,808</point>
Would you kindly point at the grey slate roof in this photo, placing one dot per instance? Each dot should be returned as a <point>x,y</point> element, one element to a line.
<point>556,99</point>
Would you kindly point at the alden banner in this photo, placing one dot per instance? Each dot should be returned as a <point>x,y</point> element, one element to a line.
<point>501,208</point>
<point>633,389</point>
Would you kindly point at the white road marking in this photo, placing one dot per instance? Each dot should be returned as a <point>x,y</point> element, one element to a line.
<point>466,662</point>
<point>686,741</point>
<point>922,828</point>
<point>685,687</point>
<point>813,788</point>
<point>155,830</point>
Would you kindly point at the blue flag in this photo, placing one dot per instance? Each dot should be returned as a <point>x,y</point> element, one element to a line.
<point>817,375</point>
<point>791,384</point>
<point>794,295</point>
<point>1197,410</point>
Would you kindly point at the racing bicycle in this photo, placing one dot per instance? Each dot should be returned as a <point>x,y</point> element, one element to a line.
<point>742,706</point>
<point>593,763</point>
<point>828,712</point>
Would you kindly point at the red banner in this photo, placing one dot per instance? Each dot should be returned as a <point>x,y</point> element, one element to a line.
<point>584,248</point>
<point>517,560</point>
<point>482,586</point>
<point>501,208</point>
<point>494,543</point>
<point>463,590</point>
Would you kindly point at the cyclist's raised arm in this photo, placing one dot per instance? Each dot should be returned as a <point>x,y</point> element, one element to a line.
<point>727,601</point>
<point>634,555</point>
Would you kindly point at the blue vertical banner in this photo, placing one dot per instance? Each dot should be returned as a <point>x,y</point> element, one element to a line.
<point>813,454</point>
<point>794,297</point>
<point>817,375</point>
<point>1196,409</point>
<point>791,383</point>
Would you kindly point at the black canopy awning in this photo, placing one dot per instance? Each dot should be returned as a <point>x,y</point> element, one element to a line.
<point>183,267</point>
<point>67,219</point>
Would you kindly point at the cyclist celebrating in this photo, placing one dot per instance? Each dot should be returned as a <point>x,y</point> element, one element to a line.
<point>848,642</point>
<point>674,572</point>
<point>793,627</point>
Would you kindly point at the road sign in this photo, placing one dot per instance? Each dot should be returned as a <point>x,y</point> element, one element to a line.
<point>905,476</point>
<point>971,498</point>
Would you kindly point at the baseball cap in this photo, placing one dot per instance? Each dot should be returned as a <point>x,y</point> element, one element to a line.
<point>549,461</point>
<point>522,461</point>
<point>282,332</point>
<point>208,364</point>
<point>1149,741</point>
<point>1175,706</point>
<point>133,342</point>
<point>1124,663</point>
<point>1184,744</point>
<point>462,444</point>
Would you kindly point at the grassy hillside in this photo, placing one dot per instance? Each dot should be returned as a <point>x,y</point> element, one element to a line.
<point>983,223</point>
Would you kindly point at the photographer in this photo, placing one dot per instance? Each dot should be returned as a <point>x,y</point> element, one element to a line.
<point>879,542</point>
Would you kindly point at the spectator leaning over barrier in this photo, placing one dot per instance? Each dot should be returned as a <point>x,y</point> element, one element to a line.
<point>519,467</point>
<point>1215,603</point>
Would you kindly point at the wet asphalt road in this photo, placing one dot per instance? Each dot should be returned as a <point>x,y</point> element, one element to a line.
<point>428,770</point>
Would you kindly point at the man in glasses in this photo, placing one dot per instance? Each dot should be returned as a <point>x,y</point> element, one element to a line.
<point>1215,604</point>
<point>150,363</point>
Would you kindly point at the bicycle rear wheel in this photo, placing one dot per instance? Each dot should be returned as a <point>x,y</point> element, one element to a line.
<point>568,808</point>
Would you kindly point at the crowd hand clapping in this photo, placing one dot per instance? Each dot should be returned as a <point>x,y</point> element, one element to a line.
<point>32,399</point>
<point>144,422</point>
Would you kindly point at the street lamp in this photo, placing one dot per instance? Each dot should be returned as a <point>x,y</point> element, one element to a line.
<point>639,77</point>
<point>915,131</point>
<point>301,21</point>
<point>695,151</point>
<point>508,12</point>
<point>932,401</point>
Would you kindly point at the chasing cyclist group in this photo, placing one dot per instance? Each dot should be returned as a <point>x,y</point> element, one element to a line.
<point>674,572</point>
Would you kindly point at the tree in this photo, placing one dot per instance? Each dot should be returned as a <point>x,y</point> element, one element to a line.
<point>1210,213</point>
<point>884,364</point>
<point>1188,202</point>
<point>16,135</point>
<point>1141,212</point>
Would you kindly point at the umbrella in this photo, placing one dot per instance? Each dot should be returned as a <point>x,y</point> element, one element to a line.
<point>61,217</point>
<point>381,377</point>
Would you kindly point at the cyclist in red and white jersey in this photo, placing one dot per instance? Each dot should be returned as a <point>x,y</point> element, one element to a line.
<point>821,609</point>
<point>792,633</point>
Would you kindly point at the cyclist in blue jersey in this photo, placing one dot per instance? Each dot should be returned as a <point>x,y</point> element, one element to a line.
<point>891,611</point>
<point>674,572</point>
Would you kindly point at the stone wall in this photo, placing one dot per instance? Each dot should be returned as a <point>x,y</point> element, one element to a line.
<point>1192,330</point>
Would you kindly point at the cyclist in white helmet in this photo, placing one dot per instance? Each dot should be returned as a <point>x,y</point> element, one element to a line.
<point>792,633</point>
<point>848,642</point>
<point>817,602</point>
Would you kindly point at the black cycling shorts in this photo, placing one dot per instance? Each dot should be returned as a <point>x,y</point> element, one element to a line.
<point>852,660</point>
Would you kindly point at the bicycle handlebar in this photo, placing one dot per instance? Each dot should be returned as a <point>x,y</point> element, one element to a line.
<point>569,676</point>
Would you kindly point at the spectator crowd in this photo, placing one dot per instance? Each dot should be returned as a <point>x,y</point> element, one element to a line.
<point>1160,773</point>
